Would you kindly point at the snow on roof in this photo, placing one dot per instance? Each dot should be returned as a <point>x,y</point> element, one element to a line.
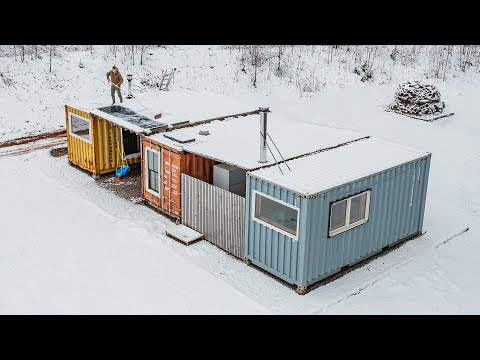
<point>236,141</point>
<point>175,106</point>
<point>178,106</point>
<point>325,170</point>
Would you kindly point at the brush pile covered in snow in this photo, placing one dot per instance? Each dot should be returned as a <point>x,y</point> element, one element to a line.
<point>417,98</point>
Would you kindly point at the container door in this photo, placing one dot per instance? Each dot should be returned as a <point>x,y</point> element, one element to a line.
<point>171,182</point>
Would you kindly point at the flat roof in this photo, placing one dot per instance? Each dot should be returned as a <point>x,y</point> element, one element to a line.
<point>175,106</point>
<point>323,171</point>
<point>236,141</point>
<point>181,105</point>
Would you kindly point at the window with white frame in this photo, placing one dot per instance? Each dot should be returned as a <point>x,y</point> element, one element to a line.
<point>80,127</point>
<point>152,173</point>
<point>275,214</point>
<point>348,213</point>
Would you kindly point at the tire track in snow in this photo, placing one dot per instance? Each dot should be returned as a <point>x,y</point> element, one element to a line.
<point>452,237</point>
<point>30,143</point>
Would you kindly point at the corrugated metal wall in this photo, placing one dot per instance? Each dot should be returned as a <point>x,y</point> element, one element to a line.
<point>103,155</point>
<point>269,249</point>
<point>171,168</point>
<point>190,164</point>
<point>397,205</point>
<point>199,167</point>
<point>80,153</point>
<point>215,212</point>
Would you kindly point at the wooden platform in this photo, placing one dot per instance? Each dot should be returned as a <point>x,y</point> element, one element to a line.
<point>184,234</point>
<point>424,118</point>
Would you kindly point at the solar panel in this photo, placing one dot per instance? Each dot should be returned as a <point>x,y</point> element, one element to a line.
<point>131,116</point>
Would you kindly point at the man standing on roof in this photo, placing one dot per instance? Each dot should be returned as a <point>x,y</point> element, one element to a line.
<point>116,82</point>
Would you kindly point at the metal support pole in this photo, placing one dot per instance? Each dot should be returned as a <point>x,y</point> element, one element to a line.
<point>129,78</point>
<point>263,135</point>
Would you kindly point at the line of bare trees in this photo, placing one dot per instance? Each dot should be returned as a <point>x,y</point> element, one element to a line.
<point>300,63</point>
<point>129,53</point>
<point>125,53</point>
<point>303,65</point>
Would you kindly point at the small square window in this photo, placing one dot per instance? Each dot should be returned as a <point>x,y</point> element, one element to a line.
<point>80,127</point>
<point>348,213</point>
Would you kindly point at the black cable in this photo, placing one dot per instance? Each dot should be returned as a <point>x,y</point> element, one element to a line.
<point>276,162</point>
<point>273,142</point>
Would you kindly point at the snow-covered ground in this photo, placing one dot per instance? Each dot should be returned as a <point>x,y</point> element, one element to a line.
<point>69,246</point>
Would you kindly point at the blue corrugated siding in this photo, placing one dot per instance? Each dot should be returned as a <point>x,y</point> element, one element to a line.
<point>397,208</point>
<point>269,249</point>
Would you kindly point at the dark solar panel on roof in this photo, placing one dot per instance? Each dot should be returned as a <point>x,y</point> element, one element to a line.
<point>131,116</point>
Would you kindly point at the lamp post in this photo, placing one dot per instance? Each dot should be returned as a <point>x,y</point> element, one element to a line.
<point>129,78</point>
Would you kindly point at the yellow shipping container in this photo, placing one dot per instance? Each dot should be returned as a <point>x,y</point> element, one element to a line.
<point>96,144</point>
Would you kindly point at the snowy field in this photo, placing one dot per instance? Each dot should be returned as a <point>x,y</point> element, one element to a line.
<point>69,246</point>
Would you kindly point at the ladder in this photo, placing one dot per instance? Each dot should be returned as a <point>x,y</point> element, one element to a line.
<point>166,78</point>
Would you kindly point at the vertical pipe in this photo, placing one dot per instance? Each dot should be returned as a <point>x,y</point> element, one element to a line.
<point>263,135</point>
<point>129,78</point>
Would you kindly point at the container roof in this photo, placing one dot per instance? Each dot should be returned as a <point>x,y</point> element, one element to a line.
<point>181,106</point>
<point>128,119</point>
<point>236,141</point>
<point>322,171</point>
<point>175,107</point>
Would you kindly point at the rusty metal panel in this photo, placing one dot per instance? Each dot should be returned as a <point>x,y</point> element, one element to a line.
<point>215,212</point>
<point>170,171</point>
<point>172,165</point>
<point>199,167</point>
<point>171,182</point>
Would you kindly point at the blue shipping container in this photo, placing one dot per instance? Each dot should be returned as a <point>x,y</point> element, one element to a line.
<point>396,207</point>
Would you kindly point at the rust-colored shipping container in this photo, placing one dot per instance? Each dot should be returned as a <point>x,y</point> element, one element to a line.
<point>162,189</point>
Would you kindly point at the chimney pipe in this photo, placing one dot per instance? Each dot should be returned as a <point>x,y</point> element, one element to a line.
<point>129,78</point>
<point>263,134</point>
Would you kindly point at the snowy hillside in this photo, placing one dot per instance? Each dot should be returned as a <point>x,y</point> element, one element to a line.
<point>35,95</point>
<point>69,246</point>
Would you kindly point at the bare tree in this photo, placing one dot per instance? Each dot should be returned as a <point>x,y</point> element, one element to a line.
<point>51,54</point>
<point>142,51</point>
<point>449,52</point>
<point>255,57</point>
<point>22,53</point>
<point>280,53</point>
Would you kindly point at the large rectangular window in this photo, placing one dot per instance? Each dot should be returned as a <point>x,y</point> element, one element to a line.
<point>79,127</point>
<point>276,214</point>
<point>348,213</point>
<point>153,171</point>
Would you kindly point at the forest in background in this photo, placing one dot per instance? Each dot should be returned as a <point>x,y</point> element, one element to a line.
<point>301,65</point>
